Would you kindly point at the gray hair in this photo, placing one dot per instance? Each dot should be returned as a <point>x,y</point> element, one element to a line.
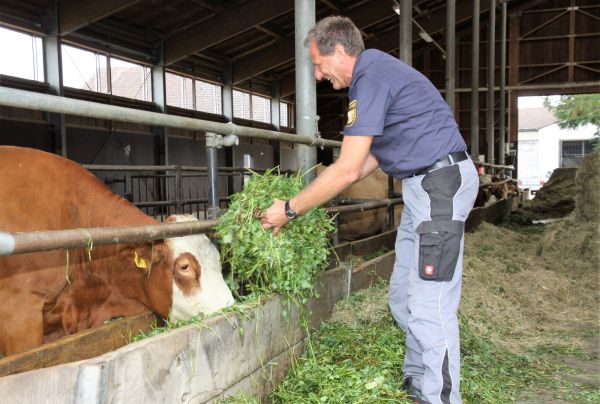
<point>335,30</point>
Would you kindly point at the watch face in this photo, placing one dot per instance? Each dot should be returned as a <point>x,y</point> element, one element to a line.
<point>289,212</point>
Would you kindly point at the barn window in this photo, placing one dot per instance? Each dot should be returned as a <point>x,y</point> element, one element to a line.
<point>189,93</point>
<point>285,114</point>
<point>88,70</point>
<point>22,55</point>
<point>130,80</point>
<point>180,91</point>
<point>209,97</point>
<point>572,152</point>
<point>251,106</point>
<point>84,69</point>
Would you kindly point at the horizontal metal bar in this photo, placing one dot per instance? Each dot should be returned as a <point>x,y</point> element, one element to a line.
<point>479,163</point>
<point>15,98</point>
<point>383,203</point>
<point>19,243</point>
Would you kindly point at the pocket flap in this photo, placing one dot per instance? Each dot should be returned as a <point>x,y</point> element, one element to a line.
<point>450,226</point>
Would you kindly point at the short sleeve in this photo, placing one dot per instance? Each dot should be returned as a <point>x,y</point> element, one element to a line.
<point>367,107</point>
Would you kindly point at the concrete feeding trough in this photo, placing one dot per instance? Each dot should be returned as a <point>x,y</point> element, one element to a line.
<point>229,354</point>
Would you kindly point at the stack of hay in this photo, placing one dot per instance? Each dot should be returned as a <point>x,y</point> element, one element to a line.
<point>578,235</point>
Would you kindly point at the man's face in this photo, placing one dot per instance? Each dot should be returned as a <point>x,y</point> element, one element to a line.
<point>327,67</point>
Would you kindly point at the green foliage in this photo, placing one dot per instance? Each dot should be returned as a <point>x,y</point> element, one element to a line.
<point>287,263</point>
<point>351,364</point>
<point>362,363</point>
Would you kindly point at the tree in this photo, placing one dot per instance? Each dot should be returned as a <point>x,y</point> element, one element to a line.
<point>574,111</point>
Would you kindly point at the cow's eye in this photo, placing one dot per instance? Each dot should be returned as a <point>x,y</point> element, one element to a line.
<point>185,267</point>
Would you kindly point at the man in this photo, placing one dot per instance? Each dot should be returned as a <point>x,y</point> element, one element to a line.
<point>398,121</point>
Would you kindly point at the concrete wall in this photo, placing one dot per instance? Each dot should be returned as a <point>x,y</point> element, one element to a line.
<point>227,355</point>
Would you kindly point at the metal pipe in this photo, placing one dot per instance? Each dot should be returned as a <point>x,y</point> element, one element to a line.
<point>451,54</point>
<point>19,243</point>
<point>306,89</point>
<point>406,31</point>
<point>490,79</point>
<point>501,124</point>
<point>211,163</point>
<point>383,203</point>
<point>475,83</point>
<point>11,97</point>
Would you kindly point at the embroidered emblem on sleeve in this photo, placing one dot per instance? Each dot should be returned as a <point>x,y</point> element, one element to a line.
<point>352,113</point>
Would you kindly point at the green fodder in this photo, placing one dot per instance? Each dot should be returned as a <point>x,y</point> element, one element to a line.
<point>286,263</point>
<point>358,359</point>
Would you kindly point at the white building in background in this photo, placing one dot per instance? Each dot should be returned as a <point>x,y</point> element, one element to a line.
<point>543,146</point>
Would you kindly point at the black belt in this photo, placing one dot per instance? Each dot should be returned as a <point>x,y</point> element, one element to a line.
<point>443,162</point>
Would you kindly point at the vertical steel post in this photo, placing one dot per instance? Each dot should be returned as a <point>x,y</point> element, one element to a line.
<point>405,51</point>
<point>475,83</point>
<point>501,124</point>
<point>306,88</point>
<point>490,83</point>
<point>51,43</point>
<point>451,54</point>
<point>211,166</point>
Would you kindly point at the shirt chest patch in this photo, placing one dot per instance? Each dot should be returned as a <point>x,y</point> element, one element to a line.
<point>352,113</point>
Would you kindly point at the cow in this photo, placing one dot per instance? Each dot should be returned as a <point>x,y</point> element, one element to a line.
<point>357,225</point>
<point>492,189</point>
<point>47,295</point>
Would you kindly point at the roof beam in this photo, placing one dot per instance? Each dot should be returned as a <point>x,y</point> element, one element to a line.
<point>283,51</point>
<point>77,14</point>
<point>224,25</point>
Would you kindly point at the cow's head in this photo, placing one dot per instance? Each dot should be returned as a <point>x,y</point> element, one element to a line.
<point>197,282</point>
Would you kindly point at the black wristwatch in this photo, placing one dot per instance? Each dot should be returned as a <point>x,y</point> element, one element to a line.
<point>289,212</point>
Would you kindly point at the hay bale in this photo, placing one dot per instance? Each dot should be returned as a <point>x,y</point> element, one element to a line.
<point>577,237</point>
<point>557,197</point>
<point>587,182</point>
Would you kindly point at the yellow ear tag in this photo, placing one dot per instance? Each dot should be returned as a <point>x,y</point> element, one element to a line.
<point>139,262</point>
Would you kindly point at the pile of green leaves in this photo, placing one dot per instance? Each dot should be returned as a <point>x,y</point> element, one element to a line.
<point>352,363</point>
<point>361,362</point>
<point>286,263</point>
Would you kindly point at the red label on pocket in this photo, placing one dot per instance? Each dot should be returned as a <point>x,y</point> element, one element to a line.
<point>429,270</point>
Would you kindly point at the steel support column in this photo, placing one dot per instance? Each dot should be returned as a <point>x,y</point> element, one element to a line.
<point>475,83</point>
<point>406,31</point>
<point>53,73</point>
<point>451,54</point>
<point>276,121</point>
<point>160,101</point>
<point>490,79</point>
<point>502,108</point>
<point>306,88</point>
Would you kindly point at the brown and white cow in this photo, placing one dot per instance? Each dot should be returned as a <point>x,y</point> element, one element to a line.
<point>47,295</point>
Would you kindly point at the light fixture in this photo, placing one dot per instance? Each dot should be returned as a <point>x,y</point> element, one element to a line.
<point>396,7</point>
<point>425,36</point>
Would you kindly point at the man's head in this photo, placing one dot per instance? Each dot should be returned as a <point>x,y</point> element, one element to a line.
<point>334,44</point>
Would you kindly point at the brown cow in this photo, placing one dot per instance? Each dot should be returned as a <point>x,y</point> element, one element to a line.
<point>354,226</point>
<point>46,295</point>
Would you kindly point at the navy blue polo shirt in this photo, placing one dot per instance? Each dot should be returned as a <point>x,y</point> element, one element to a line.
<point>411,124</point>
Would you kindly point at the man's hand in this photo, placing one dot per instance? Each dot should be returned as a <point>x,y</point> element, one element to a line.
<point>274,216</point>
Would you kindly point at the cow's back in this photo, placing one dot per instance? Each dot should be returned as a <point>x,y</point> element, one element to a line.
<point>43,191</point>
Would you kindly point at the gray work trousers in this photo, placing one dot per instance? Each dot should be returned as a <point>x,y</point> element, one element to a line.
<point>425,285</point>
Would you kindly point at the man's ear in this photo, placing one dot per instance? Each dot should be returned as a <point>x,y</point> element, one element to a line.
<point>340,52</point>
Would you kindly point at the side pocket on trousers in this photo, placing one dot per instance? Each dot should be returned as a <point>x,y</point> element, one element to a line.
<point>438,252</point>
